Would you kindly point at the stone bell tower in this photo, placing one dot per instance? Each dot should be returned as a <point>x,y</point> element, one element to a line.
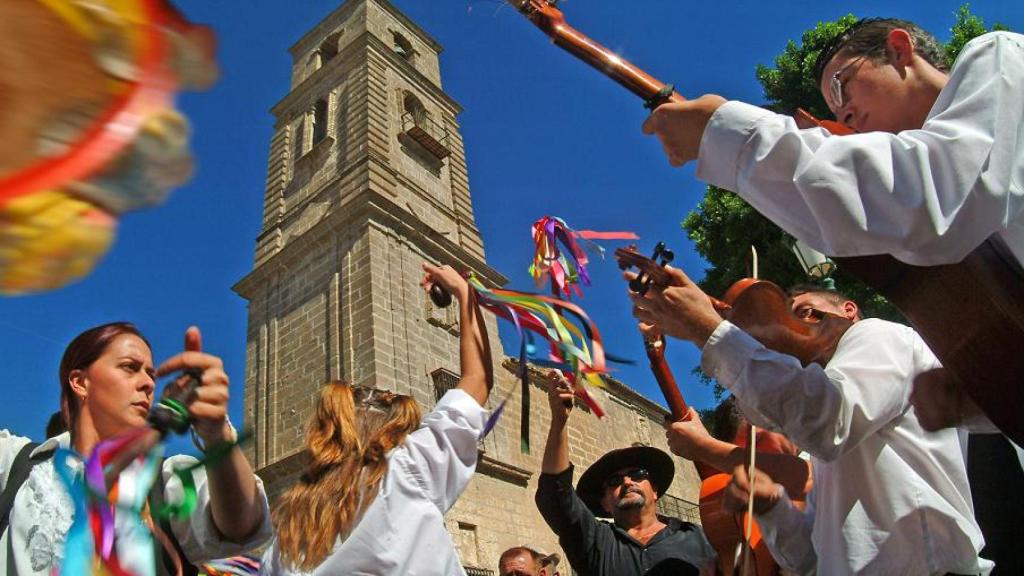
<point>366,180</point>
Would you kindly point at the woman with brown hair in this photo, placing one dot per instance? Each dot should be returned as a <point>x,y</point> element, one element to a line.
<point>107,382</point>
<point>379,480</point>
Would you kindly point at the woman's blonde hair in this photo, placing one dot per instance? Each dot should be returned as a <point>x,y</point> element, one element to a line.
<point>349,436</point>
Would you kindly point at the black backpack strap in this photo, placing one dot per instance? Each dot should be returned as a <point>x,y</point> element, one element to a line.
<point>20,469</point>
<point>164,563</point>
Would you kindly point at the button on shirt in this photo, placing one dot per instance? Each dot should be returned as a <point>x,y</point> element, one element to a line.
<point>598,548</point>
<point>43,513</point>
<point>888,497</point>
<point>927,196</point>
<point>402,533</point>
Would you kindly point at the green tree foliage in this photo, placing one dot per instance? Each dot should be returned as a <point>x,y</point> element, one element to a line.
<point>723,227</point>
<point>791,83</point>
<point>966,27</point>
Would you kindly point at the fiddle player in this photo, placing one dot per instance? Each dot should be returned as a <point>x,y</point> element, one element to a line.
<point>935,170</point>
<point>625,485</point>
<point>888,496</point>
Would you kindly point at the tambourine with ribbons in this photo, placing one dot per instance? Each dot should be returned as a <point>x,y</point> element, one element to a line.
<point>88,128</point>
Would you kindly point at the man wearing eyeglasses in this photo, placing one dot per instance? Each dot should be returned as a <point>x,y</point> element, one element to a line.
<point>935,169</point>
<point>937,166</point>
<point>888,496</point>
<point>625,485</point>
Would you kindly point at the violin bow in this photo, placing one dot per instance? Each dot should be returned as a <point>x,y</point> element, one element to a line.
<point>748,529</point>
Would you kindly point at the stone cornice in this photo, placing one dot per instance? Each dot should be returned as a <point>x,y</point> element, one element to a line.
<point>417,77</point>
<point>364,207</point>
<point>353,52</point>
<point>501,470</point>
<point>615,387</point>
<point>361,162</point>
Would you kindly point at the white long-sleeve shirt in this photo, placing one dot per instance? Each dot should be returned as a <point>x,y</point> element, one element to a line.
<point>43,513</point>
<point>888,497</point>
<point>926,196</point>
<point>402,533</point>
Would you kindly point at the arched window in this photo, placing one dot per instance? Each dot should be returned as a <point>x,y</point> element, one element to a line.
<point>329,48</point>
<point>320,120</point>
<point>415,108</point>
<point>402,46</point>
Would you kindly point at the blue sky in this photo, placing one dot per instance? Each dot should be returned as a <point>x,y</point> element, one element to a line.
<point>544,134</point>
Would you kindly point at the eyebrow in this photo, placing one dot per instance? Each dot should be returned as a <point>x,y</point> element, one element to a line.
<point>149,370</point>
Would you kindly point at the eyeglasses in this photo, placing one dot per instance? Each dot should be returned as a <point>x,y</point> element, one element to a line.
<point>809,314</point>
<point>836,85</point>
<point>636,475</point>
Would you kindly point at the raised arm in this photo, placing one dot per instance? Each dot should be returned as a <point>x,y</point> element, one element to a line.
<point>476,364</point>
<point>236,505</point>
<point>556,451</point>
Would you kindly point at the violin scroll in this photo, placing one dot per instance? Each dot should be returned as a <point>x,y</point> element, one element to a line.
<point>650,272</point>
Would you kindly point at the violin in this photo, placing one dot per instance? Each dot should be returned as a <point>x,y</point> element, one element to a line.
<point>762,309</point>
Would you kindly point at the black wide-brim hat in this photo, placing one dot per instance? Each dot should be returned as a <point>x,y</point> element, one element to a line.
<point>590,488</point>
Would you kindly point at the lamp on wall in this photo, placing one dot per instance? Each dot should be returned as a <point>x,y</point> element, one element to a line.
<point>816,265</point>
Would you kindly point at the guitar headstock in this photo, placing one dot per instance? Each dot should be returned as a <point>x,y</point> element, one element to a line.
<point>542,13</point>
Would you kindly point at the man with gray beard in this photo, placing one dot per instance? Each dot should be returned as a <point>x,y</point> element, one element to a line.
<point>624,484</point>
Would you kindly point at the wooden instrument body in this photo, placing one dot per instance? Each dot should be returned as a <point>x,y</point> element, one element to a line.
<point>971,315</point>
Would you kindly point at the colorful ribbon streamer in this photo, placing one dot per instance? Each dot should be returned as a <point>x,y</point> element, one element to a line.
<point>575,345</point>
<point>566,266</point>
<point>97,543</point>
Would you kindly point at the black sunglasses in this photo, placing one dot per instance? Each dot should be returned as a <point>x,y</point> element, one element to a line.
<point>636,475</point>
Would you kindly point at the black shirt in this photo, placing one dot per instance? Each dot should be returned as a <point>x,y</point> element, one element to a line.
<point>601,548</point>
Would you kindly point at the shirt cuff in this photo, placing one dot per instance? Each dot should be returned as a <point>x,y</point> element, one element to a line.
<point>724,139</point>
<point>556,481</point>
<point>777,514</point>
<point>725,353</point>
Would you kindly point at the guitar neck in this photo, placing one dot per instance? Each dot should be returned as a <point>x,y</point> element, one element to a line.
<point>666,381</point>
<point>551,21</point>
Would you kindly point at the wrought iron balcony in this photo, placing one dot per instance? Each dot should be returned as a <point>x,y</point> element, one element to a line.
<point>432,136</point>
<point>678,508</point>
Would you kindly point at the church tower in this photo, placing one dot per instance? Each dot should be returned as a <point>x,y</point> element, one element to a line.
<point>366,180</point>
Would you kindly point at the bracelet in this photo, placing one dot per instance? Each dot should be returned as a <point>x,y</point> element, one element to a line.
<point>232,436</point>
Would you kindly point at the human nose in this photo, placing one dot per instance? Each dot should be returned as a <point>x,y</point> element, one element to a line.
<point>146,383</point>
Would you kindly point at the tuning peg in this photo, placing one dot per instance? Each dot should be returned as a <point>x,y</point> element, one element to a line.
<point>637,284</point>
<point>659,248</point>
<point>667,256</point>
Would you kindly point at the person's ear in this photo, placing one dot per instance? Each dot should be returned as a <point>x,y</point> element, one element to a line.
<point>79,383</point>
<point>899,48</point>
<point>850,310</point>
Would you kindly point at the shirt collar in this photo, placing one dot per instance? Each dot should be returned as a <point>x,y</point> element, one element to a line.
<point>62,440</point>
